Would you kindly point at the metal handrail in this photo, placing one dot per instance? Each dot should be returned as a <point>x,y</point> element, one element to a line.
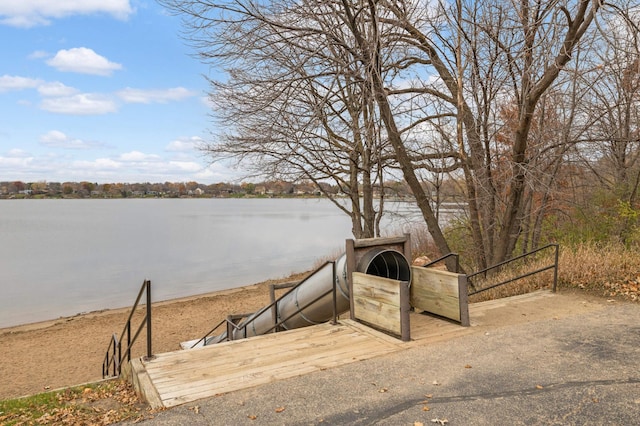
<point>244,325</point>
<point>446,256</point>
<point>554,266</point>
<point>115,344</point>
<point>208,333</point>
<point>275,302</point>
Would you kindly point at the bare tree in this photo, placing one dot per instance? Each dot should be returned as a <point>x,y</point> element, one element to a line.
<point>295,103</point>
<point>349,90</point>
<point>513,52</point>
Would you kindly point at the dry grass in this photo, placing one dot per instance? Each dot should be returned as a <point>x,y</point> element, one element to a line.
<point>512,271</point>
<point>609,271</point>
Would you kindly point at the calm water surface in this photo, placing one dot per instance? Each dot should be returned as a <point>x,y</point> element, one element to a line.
<point>62,257</point>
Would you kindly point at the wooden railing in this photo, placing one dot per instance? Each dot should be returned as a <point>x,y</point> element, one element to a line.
<point>112,363</point>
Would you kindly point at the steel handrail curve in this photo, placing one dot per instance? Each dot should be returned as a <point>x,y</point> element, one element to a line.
<point>554,266</point>
<point>269,306</point>
<point>117,343</point>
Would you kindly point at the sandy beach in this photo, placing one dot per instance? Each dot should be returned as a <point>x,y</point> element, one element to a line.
<point>69,351</point>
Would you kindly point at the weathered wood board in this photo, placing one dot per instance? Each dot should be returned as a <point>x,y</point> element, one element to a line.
<point>440,292</point>
<point>184,376</point>
<point>377,302</point>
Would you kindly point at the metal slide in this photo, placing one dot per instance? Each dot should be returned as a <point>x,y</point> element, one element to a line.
<point>381,262</point>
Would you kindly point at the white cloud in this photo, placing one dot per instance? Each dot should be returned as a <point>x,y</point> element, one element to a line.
<point>206,101</point>
<point>18,153</point>
<point>137,156</point>
<point>57,139</point>
<point>57,89</point>
<point>141,96</point>
<point>30,13</point>
<point>184,144</point>
<point>10,163</point>
<point>11,82</point>
<point>185,166</point>
<point>134,166</point>
<point>38,54</point>
<point>84,61</point>
<point>80,104</point>
<point>86,167</point>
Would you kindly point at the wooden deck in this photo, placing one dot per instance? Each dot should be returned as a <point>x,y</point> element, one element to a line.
<point>179,377</point>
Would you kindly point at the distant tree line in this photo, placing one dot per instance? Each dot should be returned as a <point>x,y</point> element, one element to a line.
<point>85,189</point>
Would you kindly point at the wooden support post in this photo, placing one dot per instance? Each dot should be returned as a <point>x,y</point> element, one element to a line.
<point>405,308</point>
<point>463,295</point>
<point>406,250</point>
<point>274,307</point>
<point>351,267</point>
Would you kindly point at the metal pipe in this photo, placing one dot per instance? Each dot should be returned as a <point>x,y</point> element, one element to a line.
<point>378,261</point>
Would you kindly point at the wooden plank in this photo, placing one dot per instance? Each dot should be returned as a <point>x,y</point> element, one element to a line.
<point>382,337</point>
<point>141,381</point>
<point>289,366</point>
<point>218,356</point>
<point>375,242</point>
<point>349,345</point>
<point>377,301</point>
<point>377,289</point>
<point>242,361</point>
<point>436,291</point>
<point>383,316</point>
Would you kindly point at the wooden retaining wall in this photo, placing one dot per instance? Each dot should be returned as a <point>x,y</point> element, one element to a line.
<point>382,303</point>
<point>440,292</point>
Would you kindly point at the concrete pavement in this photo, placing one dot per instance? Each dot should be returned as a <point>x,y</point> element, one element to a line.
<point>577,369</point>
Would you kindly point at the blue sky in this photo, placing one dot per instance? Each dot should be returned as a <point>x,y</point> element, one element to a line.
<point>100,90</point>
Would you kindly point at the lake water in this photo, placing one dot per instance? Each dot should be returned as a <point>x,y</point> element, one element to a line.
<point>63,257</point>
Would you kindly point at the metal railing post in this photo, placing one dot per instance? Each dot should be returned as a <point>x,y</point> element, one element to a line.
<point>555,271</point>
<point>229,328</point>
<point>335,296</point>
<point>116,352</point>
<point>128,340</point>
<point>149,352</point>
<point>117,345</point>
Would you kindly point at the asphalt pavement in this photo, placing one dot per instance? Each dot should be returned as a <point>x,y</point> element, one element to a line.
<point>581,369</point>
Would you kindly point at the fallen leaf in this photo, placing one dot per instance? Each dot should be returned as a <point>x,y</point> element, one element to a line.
<point>279,409</point>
